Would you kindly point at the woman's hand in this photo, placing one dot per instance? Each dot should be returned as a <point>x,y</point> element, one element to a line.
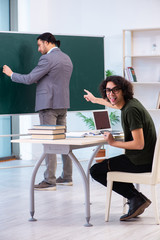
<point>109,138</point>
<point>89,97</point>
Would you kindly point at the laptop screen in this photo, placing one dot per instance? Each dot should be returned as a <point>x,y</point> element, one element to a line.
<point>101,120</point>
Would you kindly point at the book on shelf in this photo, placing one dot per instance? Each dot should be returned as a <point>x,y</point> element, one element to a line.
<point>45,131</point>
<point>126,75</point>
<point>49,127</point>
<point>130,74</point>
<point>48,136</point>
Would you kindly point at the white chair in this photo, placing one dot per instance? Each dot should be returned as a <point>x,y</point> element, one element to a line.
<point>151,178</point>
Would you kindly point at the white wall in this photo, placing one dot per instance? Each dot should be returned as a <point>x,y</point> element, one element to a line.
<point>88,17</point>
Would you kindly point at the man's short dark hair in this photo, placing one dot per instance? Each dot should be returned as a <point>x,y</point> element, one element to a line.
<point>121,83</point>
<point>50,38</point>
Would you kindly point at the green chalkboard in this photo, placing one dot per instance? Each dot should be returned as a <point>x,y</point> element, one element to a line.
<point>19,51</point>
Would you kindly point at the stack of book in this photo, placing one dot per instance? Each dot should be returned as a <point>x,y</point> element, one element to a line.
<point>130,74</point>
<point>47,132</point>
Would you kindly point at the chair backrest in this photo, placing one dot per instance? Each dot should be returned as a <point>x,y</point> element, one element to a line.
<point>156,162</point>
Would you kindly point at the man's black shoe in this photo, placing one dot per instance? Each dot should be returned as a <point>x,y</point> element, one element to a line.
<point>137,205</point>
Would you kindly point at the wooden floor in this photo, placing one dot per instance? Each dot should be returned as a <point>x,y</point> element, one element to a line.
<point>60,213</point>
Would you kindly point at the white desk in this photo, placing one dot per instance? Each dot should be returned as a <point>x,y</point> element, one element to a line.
<point>65,146</point>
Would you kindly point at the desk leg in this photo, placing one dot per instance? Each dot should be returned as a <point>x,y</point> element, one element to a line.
<point>89,166</point>
<point>91,160</point>
<point>38,163</point>
<point>86,188</point>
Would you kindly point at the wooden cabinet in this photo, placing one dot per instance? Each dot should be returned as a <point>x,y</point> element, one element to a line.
<point>141,50</point>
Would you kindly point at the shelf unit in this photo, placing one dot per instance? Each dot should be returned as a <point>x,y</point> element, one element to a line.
<point>141,50</point>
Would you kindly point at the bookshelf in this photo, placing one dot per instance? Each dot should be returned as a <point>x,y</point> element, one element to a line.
<point>141,50</point>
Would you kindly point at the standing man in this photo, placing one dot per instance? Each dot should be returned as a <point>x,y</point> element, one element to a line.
<point>52,75</point>
<point>139,141</point>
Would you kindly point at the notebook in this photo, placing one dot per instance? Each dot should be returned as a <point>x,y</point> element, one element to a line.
<point>102,122</point>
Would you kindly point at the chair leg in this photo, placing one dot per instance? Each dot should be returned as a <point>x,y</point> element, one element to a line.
<point>155,203</point>
<point>108,201</point>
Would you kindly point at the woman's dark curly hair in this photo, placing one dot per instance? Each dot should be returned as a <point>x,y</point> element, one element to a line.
<point>122,83</point>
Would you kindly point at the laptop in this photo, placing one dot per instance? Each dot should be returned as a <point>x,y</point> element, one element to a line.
<point>102,122</point>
